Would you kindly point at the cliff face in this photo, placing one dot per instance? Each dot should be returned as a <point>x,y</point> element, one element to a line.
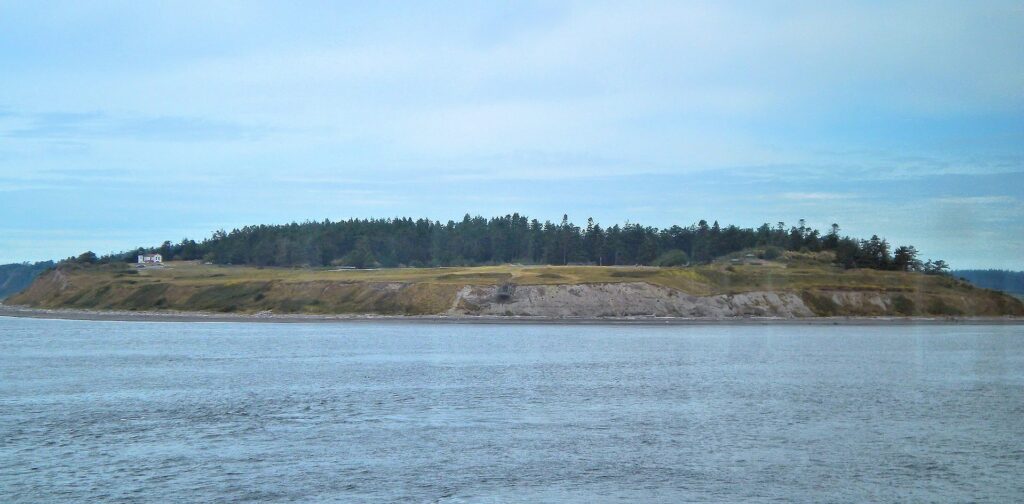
<point>641,299</point>
<point>788,291</point>
<point>624,300</point>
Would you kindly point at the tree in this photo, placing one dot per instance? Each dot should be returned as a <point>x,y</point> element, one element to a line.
<point>832,238</point>
<point>673,257</point>
<point>905,259</point>
<point>86,258</point>
<point>937,267</point>
<point>874,253</point>
<point>648,250</point>
<point>166,251</point>
<point>189,250</point>
<point>796,238</point>
<point>361,256</point>
<point>475,240</point>
<point>594,243</point>
<point>568,236</point>
<point>847,252</point>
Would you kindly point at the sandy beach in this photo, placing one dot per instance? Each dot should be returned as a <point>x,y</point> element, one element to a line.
<point>181,316</point>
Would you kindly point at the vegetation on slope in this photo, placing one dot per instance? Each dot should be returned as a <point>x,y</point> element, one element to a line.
<point>245,289</point>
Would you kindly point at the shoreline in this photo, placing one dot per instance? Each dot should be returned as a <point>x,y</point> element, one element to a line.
<point>180,316</point>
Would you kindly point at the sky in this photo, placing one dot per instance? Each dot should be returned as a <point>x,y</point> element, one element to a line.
<point>124,124</point>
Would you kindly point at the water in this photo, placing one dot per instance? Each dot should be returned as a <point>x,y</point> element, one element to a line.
<point>113,411</point>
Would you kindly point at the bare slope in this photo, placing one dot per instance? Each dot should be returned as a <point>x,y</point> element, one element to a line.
<point>796,286</point>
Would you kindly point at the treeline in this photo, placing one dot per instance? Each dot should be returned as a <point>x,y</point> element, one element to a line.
<point>517,239</point>
<point>1006,281</point>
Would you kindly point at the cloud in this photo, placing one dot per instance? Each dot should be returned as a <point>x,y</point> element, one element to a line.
<point>697,85</point>
<point>977,200</point>
<point>99,125</point>
<point>846,111</point>
<point>816,196</point>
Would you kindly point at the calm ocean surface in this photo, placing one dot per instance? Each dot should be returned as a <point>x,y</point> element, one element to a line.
<point>171,412</point>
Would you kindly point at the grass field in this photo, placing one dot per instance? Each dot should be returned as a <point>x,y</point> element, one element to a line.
<point>790,274</point>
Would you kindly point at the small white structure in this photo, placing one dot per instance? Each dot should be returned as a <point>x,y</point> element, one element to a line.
<point>151,259</point>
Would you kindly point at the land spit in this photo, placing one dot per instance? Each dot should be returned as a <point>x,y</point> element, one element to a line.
<point>795,288</point>
<point>185,316</point>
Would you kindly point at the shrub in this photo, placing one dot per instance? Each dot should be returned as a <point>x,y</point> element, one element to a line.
<point>361,256</point>
<point>821,305</point>
<point>770,253</point>
<point>939,307</point>
<point>673,257</point>
<point>85,258</point>
<point>634,273</point>
<point>903,305</point>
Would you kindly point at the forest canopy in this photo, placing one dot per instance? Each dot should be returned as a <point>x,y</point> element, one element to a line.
<point>516,238</point>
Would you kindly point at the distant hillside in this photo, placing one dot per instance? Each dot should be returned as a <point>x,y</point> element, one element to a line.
<point>15,277</point>
<point>1007,281</point>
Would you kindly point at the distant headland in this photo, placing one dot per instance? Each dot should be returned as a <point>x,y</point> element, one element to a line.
<point>512,266</point>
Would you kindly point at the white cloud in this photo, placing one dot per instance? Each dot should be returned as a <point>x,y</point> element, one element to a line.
<point>272,103</point>
<point>816,196</point>
<point>976,200</point>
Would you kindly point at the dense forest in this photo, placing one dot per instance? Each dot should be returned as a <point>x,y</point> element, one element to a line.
<point>1006,281</point>
<point>15,277</point>
<point>517,239</point>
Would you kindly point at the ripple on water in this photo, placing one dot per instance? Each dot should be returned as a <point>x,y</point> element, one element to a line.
<point>463,413</point>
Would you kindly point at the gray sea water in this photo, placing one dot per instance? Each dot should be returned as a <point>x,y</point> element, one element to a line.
<point>179,412</point>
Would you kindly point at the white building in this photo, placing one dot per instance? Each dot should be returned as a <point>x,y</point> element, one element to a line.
<point>151,259</point>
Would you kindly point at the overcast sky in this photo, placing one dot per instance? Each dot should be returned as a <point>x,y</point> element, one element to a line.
<point>128,123</point>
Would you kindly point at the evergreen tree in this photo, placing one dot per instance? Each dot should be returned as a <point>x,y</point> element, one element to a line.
<point>905,259</point>
<point>475,240</point>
